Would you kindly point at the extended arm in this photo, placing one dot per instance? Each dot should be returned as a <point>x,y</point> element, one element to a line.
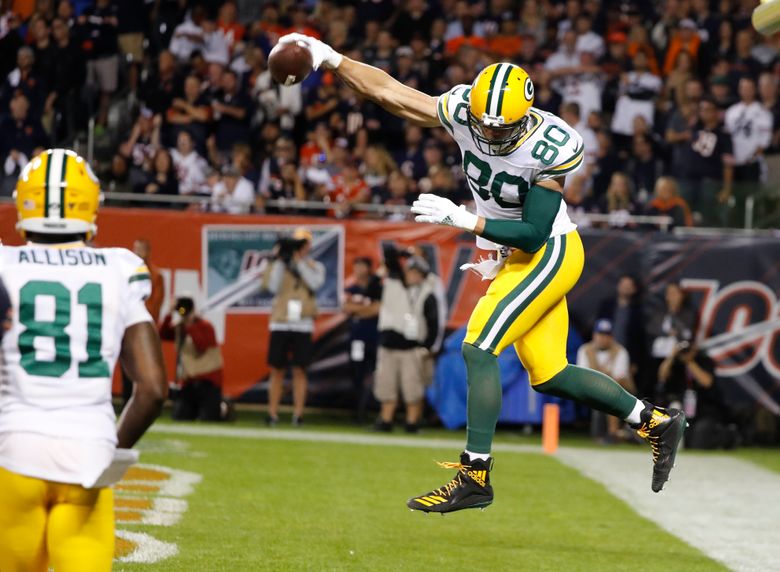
<point>397,98</point>
<point>142,360</point>
<point>372,83</point>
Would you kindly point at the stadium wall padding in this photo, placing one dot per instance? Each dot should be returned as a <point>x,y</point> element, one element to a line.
<point>734,281</point>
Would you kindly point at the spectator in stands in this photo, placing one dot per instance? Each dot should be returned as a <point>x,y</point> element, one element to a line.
<point>638,89</point>
<point>506,43</point>
<point>294,278</point>
<point>667,202</point>
<point>23,80</point>
<point>674,323</point>
<point>198,362</point>
<point>191,112</point>
<point>68,76</point>
<point>684,40</point>
<point>132,20</point>
<point>160,88</point>
<point>233,193</point>
<point>750,125</point>
<point>361,304</point>
<point>767,90</point>
<point>408,329</point>
<point>347,189</point>
<point>43,51</point>
<point>142,145</point>
<point>229,26</point>
<point>377,166</point>
<point>644,166</point>
<point>618,201</point>
<point>625,310</point>
<point>160,177</point>
<point>22,132</point>
<point>410,159</point>
<point>98,31</point>
<point>606,355</point>
<point>709,164</point>
<point>678,78</point>
<point>231,110</point>
<point>721,93</point>
<point>744,64</point>
<point>191,168</point>
<point>189,36</point>
<point>415,16</point>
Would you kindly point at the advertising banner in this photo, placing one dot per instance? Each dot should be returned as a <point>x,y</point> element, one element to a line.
<point>732,281</point>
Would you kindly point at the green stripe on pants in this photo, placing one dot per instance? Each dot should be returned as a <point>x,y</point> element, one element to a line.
<point>517,312</point>
<point>516,292</point>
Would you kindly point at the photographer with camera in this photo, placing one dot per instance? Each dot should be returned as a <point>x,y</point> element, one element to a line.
<point>686,380</point>
<point>293,278</point>
<point>198,362</point>
<point>409,327</point>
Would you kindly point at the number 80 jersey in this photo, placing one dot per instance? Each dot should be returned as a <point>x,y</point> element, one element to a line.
<point>69,308</point>
<point>550,148</point>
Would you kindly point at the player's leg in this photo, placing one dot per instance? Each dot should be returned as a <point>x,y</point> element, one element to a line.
<point>80,531</point>
<point>413,387</point>
<point>386,386</point>
<point>523,290</point>
<point>301,357</point>
<point>543,353</point>
<point>22,523</point>
<point>277,361</point>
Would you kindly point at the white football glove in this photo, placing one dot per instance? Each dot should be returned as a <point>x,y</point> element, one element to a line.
<point>438,210</point>
<point>321,53</point>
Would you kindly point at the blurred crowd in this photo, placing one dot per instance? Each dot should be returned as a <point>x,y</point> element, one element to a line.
<point>677,100</point>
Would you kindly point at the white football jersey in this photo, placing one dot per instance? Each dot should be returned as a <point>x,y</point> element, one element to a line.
<point>750,127</point>
<point>549,149</point>
<point>70,307</point>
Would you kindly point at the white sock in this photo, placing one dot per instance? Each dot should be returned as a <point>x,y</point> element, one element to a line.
<point>634,417</point>
<point>475,456</point>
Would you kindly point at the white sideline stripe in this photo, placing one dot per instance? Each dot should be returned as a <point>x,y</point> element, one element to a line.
<point>727,508</point>
<point>324,437</point>
<point>723,506</point>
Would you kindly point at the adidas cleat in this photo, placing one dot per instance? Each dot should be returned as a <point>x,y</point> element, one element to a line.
<point>663,430</point>
<point>470,488</point>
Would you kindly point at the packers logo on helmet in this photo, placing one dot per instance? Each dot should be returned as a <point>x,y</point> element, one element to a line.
<point>499,100</point>
<point>57,193</point>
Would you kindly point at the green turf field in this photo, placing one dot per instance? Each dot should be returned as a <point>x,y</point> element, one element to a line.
<point>289,505</point>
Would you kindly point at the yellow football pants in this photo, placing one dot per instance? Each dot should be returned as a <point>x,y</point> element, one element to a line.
<point>525,305</point>
<point>45,524</point>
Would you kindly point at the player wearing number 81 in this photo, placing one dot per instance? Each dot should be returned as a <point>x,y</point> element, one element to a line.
<point>515,158</point>
<point>72,311</point>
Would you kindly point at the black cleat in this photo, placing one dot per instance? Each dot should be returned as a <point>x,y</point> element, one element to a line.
<point>469,489</point>
<point>663,429</point>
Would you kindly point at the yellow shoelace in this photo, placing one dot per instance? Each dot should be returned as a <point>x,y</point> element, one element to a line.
<point>454,483</point>
<point>644,433</point>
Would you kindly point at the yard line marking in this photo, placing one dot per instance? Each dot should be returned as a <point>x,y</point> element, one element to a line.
<point>723,506</point>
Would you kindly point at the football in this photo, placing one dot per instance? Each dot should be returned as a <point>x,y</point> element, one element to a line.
<point>290,63</point>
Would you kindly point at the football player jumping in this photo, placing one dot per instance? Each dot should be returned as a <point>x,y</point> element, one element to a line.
<point>72,311</point>
<point>515,158</point>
